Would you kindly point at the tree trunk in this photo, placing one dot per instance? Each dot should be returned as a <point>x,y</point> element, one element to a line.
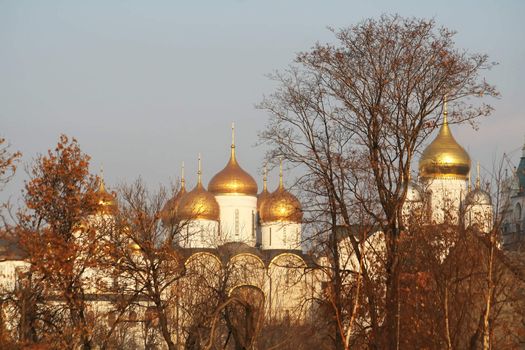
<point>488,301</point>
<point>163,321</point>
<point>447,321</point>
<point>392,292</point>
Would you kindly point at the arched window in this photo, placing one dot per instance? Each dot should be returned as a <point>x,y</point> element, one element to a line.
<point>287,279</point>
<point>517,212</point>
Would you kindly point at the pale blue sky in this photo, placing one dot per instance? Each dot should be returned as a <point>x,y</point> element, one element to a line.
<point>144,85</point>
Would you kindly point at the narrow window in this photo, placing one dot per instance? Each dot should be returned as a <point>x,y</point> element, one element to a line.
<point>236,222</point>
<point>270,236</point>
<point>284,235</point>
<point>253,224</point>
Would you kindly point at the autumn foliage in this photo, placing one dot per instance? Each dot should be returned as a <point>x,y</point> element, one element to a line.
<point>60,246</point>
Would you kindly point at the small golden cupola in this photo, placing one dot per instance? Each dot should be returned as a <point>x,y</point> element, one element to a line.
<point>169,211</point>
<point>477,196</point>
<point>106,202</point>
<point>233,180</point>
<point>198,204</point>
<point>444,158</point>
<point>281,205</point>
<point>264,195</point>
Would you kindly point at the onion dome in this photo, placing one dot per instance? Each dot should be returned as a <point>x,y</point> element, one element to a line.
<point>444,158</point>
<point>198,203</point>
<point>233,180</point>
<point>134,247</point>
<point>168,213</point>
<point>281,206</point>
<point>106,202</point>
<point>477,196</point>
<point>264,195</point>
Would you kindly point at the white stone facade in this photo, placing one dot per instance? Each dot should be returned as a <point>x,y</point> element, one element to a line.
<point>238,215</point>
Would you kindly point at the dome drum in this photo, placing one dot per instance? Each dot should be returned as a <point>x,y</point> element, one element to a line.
<point>413,192</point>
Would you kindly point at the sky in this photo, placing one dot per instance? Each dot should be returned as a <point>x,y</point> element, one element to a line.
<point>145,85</point>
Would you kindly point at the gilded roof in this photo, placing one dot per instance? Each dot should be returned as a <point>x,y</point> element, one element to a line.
<point>106,202</point>
<point>264,195</point>
<point>198,204</point>
<point>169,211</point>
<point>444,157</point>
<point>233,180</point>
<point>281,206</point>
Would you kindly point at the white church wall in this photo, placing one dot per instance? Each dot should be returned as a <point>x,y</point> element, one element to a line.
<point>445,199</point>
<point>238,218</point>
<point>281,235</point>
<point>199,233</point>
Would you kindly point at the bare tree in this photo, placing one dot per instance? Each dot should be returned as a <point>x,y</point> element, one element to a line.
<point>353,115</point>
<point>146,263</point>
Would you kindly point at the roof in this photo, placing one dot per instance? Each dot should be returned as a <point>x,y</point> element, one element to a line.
<point>10,249</point>
<point>228,250</point>
<point>520,172</point>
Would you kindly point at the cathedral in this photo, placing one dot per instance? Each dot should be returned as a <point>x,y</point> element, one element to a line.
<point>513,209</point>
<point>258,236</point>
<point>445,183</point>
<point>231,210</point>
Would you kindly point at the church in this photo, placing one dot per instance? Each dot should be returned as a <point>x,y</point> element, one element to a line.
<point>513,209</point>
<point>257,236</point>
<point>445,181</point>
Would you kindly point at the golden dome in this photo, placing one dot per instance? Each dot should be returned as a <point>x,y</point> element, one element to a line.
<point>134,247</point>
<point>168,213</point>
<point>281,206</point>
<point>444,157</point>
<point>106,202</point>
<point>198,204</point>
<point>264,195</point>
<point>233,179</point>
